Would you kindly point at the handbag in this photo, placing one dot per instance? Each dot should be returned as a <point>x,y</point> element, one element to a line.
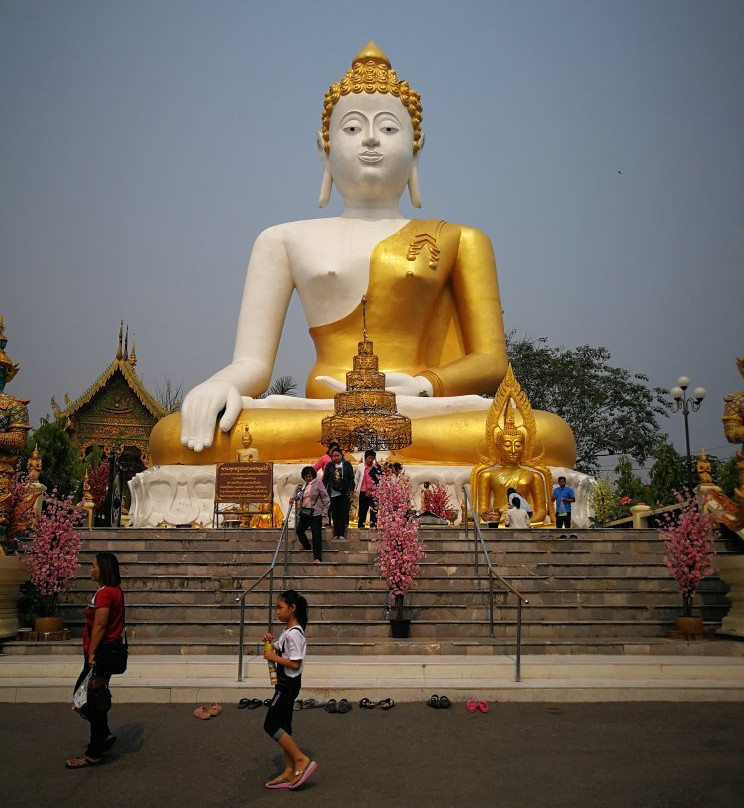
<point>306,512</point>
<point>112,656</point>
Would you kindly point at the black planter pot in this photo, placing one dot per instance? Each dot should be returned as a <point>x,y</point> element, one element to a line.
<point>400,629</point>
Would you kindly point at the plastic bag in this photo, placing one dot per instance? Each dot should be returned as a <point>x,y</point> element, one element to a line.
<point>80,696</point>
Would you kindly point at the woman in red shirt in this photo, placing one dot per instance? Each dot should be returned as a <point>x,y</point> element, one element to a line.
<point>104,625</point>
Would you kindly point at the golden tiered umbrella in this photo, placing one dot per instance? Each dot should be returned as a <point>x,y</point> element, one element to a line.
<point>365,414</point>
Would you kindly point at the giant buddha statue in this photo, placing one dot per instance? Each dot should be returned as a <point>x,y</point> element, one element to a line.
<point>433,304</point>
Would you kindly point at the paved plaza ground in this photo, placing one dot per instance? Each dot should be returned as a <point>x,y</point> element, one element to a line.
<point>655,755</point>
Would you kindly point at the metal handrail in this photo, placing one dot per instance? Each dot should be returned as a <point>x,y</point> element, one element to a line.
<point>283,537</point>
<point>478,541</point>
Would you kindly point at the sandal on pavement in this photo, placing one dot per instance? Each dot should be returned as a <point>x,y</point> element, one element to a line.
<point>302,776</point>
<point>331,706</point>
<point>214,709</point>
<point>266,702</point>
<point>277,782</point>
<point>366,704</point>
<point>81,762</point>
<point>312,703</point>
<point>298,704</point>
<point>202,712</point>
<point>344,706</point>
<point>470,706</point>
<point>386,704</point>
<point>433,702</point>
<point>483,706</point>
<point>444,702</point>
<point>243,703</point>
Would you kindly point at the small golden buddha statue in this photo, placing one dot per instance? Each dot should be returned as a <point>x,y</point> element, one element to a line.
<point>512,457</point>
<point>247,454</point>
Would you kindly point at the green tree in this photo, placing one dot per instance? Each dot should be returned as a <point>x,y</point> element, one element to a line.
<point>283,386</point>
<point>668,474</point>
<point>169,395</point>
<point>726,476</point>
<point>61,468</point>
<point>628,484</point>
<point>609,409</point>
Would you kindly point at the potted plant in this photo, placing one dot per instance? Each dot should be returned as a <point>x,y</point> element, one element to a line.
<point>688,539</point>
<point>400,550</point>
<point>51,556</point>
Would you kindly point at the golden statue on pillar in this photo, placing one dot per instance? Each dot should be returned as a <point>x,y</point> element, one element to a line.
<point>14,427</point>
<point>511,458</point>
<point>726,511</point>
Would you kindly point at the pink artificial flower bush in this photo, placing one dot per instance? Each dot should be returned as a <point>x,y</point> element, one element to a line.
<point>400,550</point>
<point>98,478</point>
<point>437,501</point>
<point>688,541</point>
<point>51,555</point>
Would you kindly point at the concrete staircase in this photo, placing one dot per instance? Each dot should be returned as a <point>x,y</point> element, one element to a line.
<point>601,606</point>
<point>594,591</point>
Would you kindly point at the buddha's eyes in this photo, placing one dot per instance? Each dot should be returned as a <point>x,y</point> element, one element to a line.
<point>388,128</point>
<point>352,128</point>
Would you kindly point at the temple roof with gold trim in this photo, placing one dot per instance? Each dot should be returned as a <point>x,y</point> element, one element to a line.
<point>125,364</point>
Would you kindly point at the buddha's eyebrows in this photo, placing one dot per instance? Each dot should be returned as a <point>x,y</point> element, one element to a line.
<point>357,113</point>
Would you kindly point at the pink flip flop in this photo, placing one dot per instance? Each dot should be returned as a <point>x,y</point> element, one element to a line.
<point>470,706</point>
<point>483,706</point>
<point>304,774</point>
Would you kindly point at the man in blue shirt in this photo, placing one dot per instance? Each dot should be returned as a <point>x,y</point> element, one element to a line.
<point>563,496</point>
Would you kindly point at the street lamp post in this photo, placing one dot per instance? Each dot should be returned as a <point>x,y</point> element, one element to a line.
<point>687,405</point>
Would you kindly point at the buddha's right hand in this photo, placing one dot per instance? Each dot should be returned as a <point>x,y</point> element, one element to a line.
<point>200,409</point>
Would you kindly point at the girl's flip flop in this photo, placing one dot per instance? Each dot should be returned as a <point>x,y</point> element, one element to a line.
<point>344,706</point>
<point>366,704</point>
<point>386,704</point>
<point>202,712</point>
<point>331,706</point>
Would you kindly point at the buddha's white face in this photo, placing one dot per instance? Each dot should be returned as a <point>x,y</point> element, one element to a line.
<point>371,147</point>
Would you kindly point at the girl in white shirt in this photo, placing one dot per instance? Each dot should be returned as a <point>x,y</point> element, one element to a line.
<point>288,652</point>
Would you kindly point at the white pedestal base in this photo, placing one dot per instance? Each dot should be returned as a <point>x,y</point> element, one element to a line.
<point>182,495</point>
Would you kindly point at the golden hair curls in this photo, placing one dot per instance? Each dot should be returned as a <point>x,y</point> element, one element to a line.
<point>371,73</point>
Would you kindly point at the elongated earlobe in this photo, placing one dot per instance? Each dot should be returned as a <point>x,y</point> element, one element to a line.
<point>413,187</point>
<point>325,188</point>
<point>327,182</point>
<point>413,183</point>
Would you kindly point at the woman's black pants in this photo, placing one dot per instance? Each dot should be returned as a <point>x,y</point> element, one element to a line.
<point>315,523</point>
<point>96,709</point>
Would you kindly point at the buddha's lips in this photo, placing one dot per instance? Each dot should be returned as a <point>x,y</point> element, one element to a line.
<point>370,157</point>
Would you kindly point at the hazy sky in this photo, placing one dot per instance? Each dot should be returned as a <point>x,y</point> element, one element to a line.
<point>145,144</point>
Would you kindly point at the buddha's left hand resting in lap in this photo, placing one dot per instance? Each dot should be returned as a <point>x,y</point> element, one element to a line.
<point>433,304</point>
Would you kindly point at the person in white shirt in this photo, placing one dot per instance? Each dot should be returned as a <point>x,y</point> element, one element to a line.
<point>516,517</point>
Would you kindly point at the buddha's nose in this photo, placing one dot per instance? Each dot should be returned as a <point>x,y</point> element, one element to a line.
<point>371,141</point>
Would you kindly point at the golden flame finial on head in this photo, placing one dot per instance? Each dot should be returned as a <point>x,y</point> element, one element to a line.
<point>371,73</point>
<point>10,367</point>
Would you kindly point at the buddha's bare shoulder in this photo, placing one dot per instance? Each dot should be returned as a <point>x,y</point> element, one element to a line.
<point>303,227</point>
